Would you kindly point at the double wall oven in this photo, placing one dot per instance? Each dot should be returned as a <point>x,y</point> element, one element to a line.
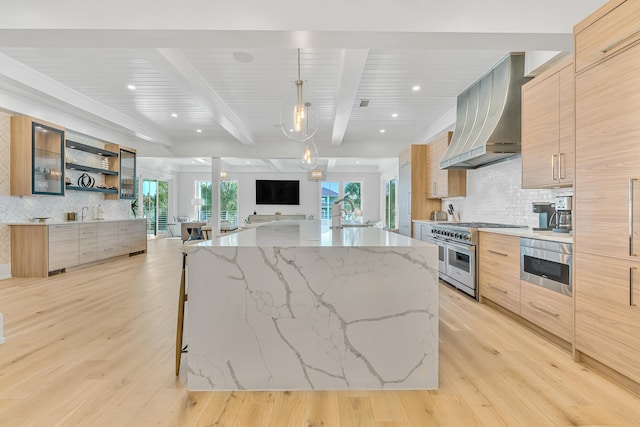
<point>457,244</point>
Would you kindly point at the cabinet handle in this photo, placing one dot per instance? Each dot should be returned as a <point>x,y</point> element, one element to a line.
<point>497,253</point>
<point>550,313</point>
<point>560,168</point>
<point>498,289</point>
<point>631,181</point>
<point>631,286</point>
<point>553,167</point>
<point>616,43</point>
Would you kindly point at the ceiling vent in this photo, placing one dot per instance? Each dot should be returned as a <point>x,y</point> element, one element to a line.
<point>364,102</point>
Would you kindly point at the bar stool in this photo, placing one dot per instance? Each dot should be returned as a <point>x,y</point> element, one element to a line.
<point>182,299</point>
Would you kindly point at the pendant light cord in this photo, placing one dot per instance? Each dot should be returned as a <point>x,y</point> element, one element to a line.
<point>298,64</point>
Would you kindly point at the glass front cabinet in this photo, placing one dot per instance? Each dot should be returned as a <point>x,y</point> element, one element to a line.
<point>125,181</point>
<point>37,157</point>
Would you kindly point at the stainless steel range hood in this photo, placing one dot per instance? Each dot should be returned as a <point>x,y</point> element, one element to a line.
<point>488,118</point>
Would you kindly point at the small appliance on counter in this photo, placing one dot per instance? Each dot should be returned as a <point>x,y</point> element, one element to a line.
<point>438,216</point>
<point>545,211</point>
<point>562,215</point>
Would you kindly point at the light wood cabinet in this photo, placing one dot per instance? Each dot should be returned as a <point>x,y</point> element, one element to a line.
<point>88,239</point>
<point>413,203</point>
<point>608,311</point>
<point>550,310</point>
<point>107,240</point>
<point>608,157</point>
<point>609,30</point>
<point>607,196</point>
<point>63,246</point>
<point>37,250</point>
<point>37,157</point>
<point>138,238</point>
<point>125,164</point>
<point>443,182</point>
<point>499,275</point>
<point>548,129</point>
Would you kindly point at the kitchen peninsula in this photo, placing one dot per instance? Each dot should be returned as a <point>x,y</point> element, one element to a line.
<point>298,305</point>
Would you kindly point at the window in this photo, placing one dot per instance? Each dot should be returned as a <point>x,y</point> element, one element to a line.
<point>203,192</point>
<point>390,204</point>
<point>228,201</point>
<point>352,191</point>
<point>332,191</point>
<point>155,205</point>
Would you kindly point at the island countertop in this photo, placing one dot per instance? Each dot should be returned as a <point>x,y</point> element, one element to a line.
<point>295,305</point>
<point>316,233</point>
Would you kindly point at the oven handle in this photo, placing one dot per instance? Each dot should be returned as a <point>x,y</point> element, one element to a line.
<point>468,248</point>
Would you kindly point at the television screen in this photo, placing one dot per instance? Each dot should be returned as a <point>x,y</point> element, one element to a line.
<point>271,192</point>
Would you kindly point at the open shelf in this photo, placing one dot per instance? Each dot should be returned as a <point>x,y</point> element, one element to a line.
<point>93,189</point>
<point>90,149</point>
<point>90,169</point>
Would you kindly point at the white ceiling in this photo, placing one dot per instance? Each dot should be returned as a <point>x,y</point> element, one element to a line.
<point>181,61</point>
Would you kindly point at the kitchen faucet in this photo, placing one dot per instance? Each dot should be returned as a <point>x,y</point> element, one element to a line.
<point>336,212</point>
<point>82,214</point>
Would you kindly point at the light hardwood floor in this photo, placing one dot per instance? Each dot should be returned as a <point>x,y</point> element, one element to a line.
<point>95,347</point>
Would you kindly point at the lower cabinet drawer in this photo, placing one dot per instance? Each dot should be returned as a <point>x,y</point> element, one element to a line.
<point>548,309</point>
<point>504,290</point>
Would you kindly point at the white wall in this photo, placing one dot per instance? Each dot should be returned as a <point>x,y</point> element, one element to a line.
<point>309,192</point>
<point>494,194</point>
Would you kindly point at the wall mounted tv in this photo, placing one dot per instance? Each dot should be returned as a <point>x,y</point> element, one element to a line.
<point>272,192</point>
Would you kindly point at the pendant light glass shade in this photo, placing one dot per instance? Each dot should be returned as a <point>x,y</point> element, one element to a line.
<point>298,119</point>
<point>308,159</point>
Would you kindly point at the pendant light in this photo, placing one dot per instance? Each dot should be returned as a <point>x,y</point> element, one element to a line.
<point>308,159</point>
<point>298,119</point>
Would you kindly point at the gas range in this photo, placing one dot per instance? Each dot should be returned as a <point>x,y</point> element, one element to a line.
<point>464,232</point>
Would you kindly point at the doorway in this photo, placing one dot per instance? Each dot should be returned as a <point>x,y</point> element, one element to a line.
<point>155,206</point>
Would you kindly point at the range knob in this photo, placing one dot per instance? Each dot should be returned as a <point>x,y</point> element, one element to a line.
<point>456,235</point>
<point>467,237</point>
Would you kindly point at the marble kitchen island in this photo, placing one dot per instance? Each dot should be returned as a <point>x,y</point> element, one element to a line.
<point>295,305</point>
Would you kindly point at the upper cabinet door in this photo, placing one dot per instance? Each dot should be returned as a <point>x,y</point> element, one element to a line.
<point>127,174</point>
<point>540,132</point>
<point>607,203</point>
<point>37,157</point>
<point>548,143</point>
<point>566,156</point>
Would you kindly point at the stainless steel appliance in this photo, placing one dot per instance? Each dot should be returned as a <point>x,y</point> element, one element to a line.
<point>457,244</point>
<point>545,211</point>
<point>547,264</point>
<point>563,214</point>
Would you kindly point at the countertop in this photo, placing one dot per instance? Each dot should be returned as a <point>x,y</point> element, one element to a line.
<point>76,222</point>
<point>528,232</point>
<point>311,233</point>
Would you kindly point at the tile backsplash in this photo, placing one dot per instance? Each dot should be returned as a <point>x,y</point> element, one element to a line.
<point>494,194</point>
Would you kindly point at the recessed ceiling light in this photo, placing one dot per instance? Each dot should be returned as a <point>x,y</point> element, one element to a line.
<point>131,87</point>
<point>248,162</point>
<point>382,130</point>
<point>174,115</point>
<point>357,162</point>
<point>394,115</point>
<point>415,88</point>
<point>193,162</point>
<point>199,130</point>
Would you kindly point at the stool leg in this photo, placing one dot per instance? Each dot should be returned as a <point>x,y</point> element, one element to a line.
<point>181,302</point>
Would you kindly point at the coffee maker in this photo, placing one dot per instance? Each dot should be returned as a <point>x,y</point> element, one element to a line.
<point>562,215</point>
<point>545,211</point>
